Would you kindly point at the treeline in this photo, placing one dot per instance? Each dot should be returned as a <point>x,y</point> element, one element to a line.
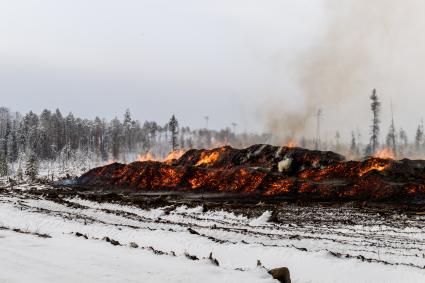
<point>394,143</point>
<point>64,142</point>
<point>52,137</point>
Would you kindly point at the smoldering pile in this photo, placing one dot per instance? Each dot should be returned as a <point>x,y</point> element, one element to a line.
<point>269,171</point>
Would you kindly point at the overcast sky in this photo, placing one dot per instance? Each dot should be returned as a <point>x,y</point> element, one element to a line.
<point>227,59</point>
<point>191,58</point>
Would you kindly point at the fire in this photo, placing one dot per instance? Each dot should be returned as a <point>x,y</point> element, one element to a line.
<point>208,158</point>
<point>376,165</point>
<point>316,176</point>
<point>291,144</point>
<point>151,157</point>
<point>146,157</point>
<point>174,155</point>
<point>386,153</point>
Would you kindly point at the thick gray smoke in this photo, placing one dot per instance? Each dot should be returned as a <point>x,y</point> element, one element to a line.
<point>366,44</point>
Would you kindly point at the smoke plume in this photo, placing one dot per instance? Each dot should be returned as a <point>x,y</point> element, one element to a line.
<point>365,45</point>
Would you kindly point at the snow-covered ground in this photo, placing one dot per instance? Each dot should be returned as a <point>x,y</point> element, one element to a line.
<point>27,258</point>
<point>167,237</point>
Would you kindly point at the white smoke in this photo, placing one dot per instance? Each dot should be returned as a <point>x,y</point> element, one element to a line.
<point>365,45</point>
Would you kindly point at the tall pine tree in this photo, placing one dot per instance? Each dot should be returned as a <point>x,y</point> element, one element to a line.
<point>376,109</point>
<point>173,126</point>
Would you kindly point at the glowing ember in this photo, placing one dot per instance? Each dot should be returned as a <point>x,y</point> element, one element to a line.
<point>312,175</point>
<point>386,153</point>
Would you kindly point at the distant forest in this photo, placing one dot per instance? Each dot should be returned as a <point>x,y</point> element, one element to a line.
<point>64,142</point>
<point>53,137</point>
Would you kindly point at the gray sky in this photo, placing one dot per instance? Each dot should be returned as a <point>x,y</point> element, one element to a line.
<point>193,58</point>
<point>244,61</point>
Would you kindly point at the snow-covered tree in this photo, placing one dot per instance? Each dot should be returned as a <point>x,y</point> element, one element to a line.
<point>419,136</point>
<point>116,138</point>
<point>173,126</point>
<point>4,170</point>
<point>31,166</point>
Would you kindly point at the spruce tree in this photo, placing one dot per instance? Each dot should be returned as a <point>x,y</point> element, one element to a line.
<point>3,165</point>
<point>419,137</point>
<point>173,126</point>
<point>391,138</point>
<point>127,129</point>
<point>116,138</point>
<point>31,169</point>
<point>353,147</point>
<point>19,173</point>
<point>403,137</point>
<point>337,138</point>
<point>376,109</point>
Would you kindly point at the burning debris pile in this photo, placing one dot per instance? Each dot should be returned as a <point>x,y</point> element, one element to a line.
<point>265,170</point>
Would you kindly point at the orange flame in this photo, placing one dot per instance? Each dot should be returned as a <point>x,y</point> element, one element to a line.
<point>174,155</point>
<point>208,158</point>
<point>386,153</point>
<point>376,167</point>
<point>146,157</point>
<point>374,164</point>
<point>291,144</point>
<point>151,157</point>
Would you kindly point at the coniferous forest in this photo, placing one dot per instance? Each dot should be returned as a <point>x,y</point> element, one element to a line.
<point>51,137</point>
